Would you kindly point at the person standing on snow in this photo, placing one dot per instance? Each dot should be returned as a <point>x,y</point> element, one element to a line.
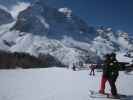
<point>74,67</point>
<point>92,68</point>
<point>110,74</point>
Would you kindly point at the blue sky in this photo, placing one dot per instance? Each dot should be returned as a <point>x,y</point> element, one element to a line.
<point>114,13</point>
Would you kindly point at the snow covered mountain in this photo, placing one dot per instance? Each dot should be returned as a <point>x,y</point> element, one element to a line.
<point>15,41</point>
<point>54,23</point>
<point>108,41</point>
<point>10,3</point>
<point>35,43</point>
<point>68,51</point>
<point>40,29</point>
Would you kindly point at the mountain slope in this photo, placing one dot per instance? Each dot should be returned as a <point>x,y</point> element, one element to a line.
<point>68,51</point>
<point>108,41</point>
<point>5,17</point>
<point>15,41</point>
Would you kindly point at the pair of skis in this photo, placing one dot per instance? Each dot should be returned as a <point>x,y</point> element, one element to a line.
<point>95,94</point>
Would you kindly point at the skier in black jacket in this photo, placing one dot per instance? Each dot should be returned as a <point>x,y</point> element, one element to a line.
<point>110,74</point>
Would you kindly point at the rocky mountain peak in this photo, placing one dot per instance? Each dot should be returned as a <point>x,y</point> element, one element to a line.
<point>54,23</point>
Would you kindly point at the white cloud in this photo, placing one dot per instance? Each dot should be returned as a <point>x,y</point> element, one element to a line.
<point>66,11</point>
<point>20,6</point>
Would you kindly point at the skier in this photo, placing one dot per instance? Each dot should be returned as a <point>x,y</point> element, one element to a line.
<point>110,74</point>
<point>92,68</point>
<point>74,67</point>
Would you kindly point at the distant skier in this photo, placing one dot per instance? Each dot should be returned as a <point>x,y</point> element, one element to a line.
<point>74,67</point>
<point>110,74</point>
<point>92,68</point>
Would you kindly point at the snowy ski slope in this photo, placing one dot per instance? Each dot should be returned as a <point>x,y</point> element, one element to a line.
<point>55,84</point>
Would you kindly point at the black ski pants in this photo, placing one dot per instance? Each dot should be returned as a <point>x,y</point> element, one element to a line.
<point>112,82</point>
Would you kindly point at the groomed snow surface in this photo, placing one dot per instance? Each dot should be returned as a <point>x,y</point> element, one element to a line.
<point>55,84</point>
